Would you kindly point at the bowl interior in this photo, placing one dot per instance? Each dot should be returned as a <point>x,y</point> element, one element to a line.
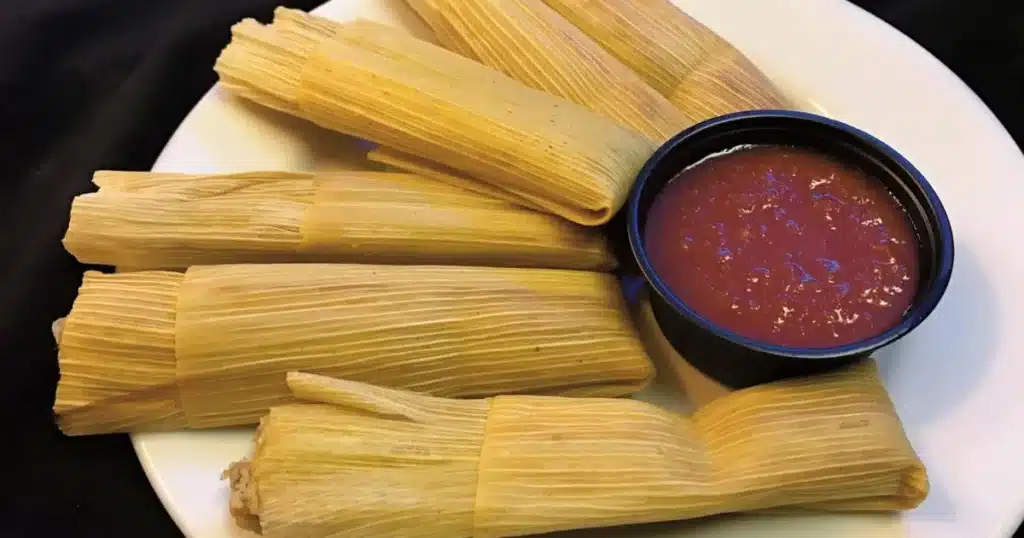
<point>838,140</point>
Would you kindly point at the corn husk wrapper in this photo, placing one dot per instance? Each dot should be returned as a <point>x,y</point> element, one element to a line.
<point>210,347</point>
<point>383,85</point>
<point>533,44</point>
<point>365,461</point>
<point>173,221</point>
<point>444,174</point>
<point>697,70</point>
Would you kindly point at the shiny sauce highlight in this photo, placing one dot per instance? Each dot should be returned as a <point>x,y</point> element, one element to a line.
<point>786,246</point>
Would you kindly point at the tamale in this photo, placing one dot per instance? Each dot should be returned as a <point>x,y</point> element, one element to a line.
<point>362,461</point>
<point>297,186</point>
<point>530,42</point>
<point>445,174</point>
<point>158,350</point>
<point>162,221</point>
<point>388,87</point>
<point>698,71</point>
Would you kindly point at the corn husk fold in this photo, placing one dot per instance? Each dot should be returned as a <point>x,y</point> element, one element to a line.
<point>530,42</point>
<point>697,70</point>
<point>365,461</point>
<point>158,350</point>
<point>163,221</point>
<point>383,85</point>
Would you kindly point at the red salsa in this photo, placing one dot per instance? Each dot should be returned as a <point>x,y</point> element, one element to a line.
<point>785,246</point>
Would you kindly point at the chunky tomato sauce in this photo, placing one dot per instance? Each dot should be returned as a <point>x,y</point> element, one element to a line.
<point>786,246</point>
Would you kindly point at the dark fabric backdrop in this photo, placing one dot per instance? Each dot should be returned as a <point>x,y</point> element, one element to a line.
<point>88,84</point>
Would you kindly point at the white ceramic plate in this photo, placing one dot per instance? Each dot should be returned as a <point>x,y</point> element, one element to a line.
<point>955,381</point>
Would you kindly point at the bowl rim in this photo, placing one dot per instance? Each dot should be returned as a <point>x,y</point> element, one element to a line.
<point>924,303</point>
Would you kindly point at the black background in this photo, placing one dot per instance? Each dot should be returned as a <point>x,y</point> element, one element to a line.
<point>89,84</point>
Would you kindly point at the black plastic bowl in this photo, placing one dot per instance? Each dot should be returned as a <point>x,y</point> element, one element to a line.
<point>736,361</point>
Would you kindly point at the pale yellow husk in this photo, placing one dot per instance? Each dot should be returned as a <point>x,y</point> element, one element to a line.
<point>383,85</point>
<point>698,71</point>
<point>363,461</point>
<point>445,174</point>
<point>296,186</point>
<point>117,347</point>
<point>533,44</point>
<point>163,221</point>
<point>156,350</point>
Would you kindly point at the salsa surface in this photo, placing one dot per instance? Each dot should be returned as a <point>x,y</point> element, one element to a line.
<point>786,246</point>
